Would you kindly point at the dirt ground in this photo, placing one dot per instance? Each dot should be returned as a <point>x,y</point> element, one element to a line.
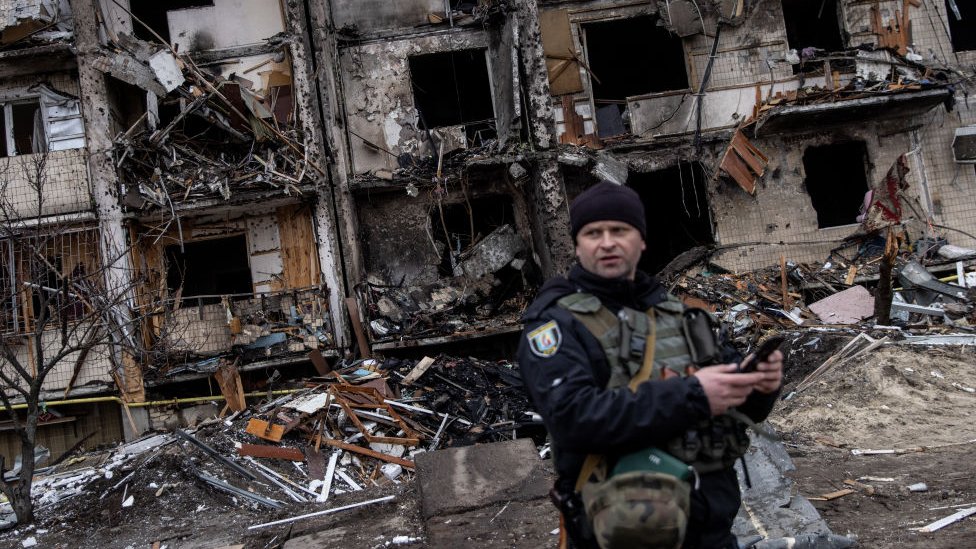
<point>899,397</point>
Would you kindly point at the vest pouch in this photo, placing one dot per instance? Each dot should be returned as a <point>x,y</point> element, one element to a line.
<point>638,509</point>
<point>714,442</point>
<point>701,331</point>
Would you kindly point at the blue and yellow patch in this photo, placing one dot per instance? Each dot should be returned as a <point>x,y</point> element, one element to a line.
<point>544,341</point>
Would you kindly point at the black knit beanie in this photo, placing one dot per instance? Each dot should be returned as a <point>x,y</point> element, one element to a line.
<point>607,201</point>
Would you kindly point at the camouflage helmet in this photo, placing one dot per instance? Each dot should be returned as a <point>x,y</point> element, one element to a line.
<point>639,509</point>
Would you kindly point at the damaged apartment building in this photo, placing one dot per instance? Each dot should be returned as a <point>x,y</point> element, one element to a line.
<point>272,186</point>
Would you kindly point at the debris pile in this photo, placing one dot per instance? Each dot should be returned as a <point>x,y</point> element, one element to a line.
<point>272,325</point>
<point>353,430</point>
<point>210,137</point>
<point>835,295</point>
<point>489,291</point>
<point>219,144</point>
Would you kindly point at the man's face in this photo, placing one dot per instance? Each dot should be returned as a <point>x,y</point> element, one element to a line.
<point>610,249</point>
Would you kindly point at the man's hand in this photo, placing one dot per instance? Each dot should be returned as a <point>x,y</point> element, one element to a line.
<point>772,370</point>
<point>726,388</point>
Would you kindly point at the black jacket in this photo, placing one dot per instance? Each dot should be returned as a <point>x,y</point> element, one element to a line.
<point>569,391</point>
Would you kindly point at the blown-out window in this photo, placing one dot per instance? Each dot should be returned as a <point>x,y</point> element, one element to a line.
<point>209,269</point>
<point>452,88</point>
<point>836,181</point>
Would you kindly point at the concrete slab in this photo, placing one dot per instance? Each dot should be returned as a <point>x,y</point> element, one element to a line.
<point>769,510</point>
<point>461,479</point>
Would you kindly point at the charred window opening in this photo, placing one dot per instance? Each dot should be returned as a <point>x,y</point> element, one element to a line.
<point>836,181</point>
<point>452,88</point>
<point>128,103</point>
<point>154,15</point>
<point>812,25</point>
<point>677,214</point>
<point>23,128</point>
<point>630,57</point>
<point>457,227</point>
<point>962,24</point>
<point>209,268</point>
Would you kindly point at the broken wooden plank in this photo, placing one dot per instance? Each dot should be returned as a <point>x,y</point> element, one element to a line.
<point>229,380</point>
<point>327,480</point>
<point>943,522</point>
<point>368,452</point>
<point>274,452</point>
<point>832,495</point>
<point>866,488</point>
<point>418,370</point>
<point>265,430</point>
<point>357,326</point>
<point>317,360</point>
<point>784,289</point>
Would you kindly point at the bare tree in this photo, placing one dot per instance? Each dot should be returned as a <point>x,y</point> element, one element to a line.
<point>57,314</point>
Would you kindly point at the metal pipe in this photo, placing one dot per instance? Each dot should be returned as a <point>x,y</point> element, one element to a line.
<point>185,400</point>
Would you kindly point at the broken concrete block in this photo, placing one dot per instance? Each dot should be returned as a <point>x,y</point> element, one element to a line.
<point>571,159</point>
<point>847,307</point>
<point>391,470</point>
<point>458,479</point>
<point>491,254</point>
<point>167,71</point>
<point>610,169</point>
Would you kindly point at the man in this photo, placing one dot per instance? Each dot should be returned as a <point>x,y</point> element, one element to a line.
<point>569,371</point>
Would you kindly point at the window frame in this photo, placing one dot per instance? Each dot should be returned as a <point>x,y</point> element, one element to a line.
<point>8,130</point>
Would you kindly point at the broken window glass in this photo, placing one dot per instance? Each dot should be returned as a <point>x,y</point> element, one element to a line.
<point>209,269</point>
<point>812,26</point>
<point>836,181</point>
<point>630,57</point>
<point>153,14</point>
<point>452,88</point>
<point>678,216</point>
<point>23,128</point>
<point>962,24</point>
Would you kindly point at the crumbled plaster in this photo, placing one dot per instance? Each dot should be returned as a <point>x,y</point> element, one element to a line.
<point>380,103</point>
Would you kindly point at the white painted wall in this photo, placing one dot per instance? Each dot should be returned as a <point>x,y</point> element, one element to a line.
<point>227,23</point>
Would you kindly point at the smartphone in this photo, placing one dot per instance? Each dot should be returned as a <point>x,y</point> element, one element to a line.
<point>762,353</point>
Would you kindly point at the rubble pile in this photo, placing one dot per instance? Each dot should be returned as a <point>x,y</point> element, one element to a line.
<point>835,295</point>
<point>277,324</point>
<point>355,429</point>
<point>225,139</point>
<point>877,71</point>
<point>440,309</point>
<point>489,290</point>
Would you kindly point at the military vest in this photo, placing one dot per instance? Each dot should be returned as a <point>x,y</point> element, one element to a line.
<point>714,443</point>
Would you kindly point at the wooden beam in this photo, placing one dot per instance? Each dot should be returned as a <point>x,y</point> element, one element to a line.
<point>357,326</point>
<point>367,452</point>
<point>268,451</point>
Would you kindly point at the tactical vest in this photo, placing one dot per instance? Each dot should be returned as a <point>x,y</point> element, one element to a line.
<point>714,443</point>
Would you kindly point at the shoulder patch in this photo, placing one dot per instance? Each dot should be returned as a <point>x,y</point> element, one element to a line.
<point>544,341</point>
